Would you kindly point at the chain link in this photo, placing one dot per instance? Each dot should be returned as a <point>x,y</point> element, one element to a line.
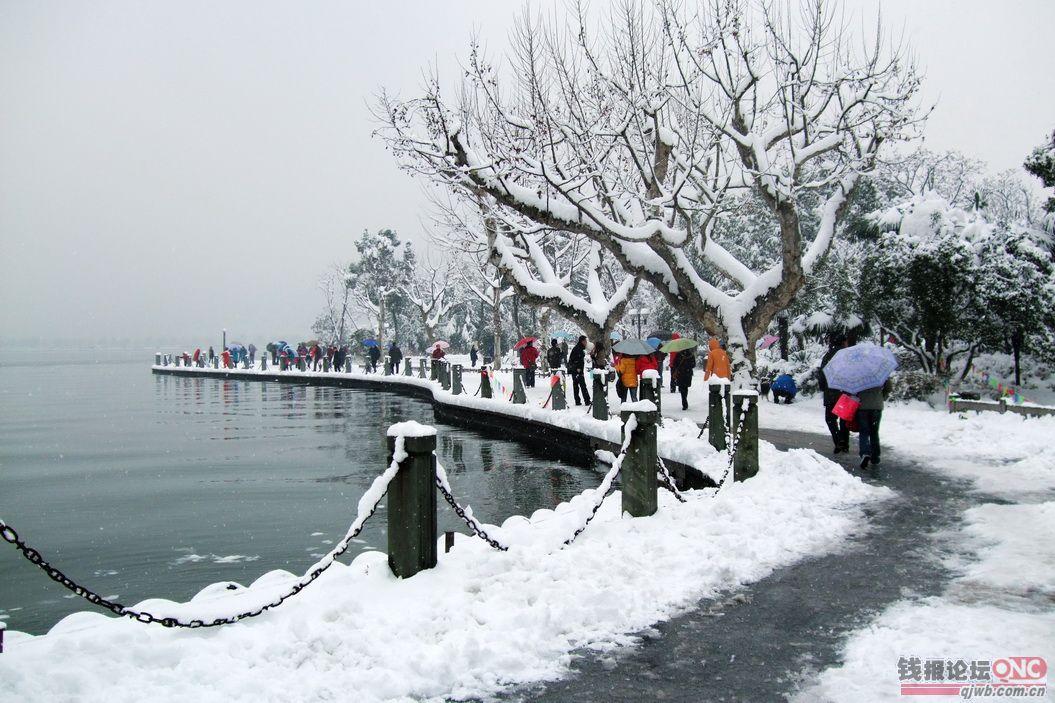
<point>9,534</point>
<point>476,527</point>
<point>732,453</point>
<point>667,481</point>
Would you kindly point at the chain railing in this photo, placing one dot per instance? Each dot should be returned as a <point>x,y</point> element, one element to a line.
<point>667,481</point>
<point>464,513</point>
<point>379,488</point>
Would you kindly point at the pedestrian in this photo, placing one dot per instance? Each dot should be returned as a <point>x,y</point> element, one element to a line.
<point>529,359</point>
<point>473,355</point>
<point>837,426</point>
<point>681,374</point>
<point>649,362</point>
<point>375,354</point>
<point>438,353</point>
<point>717,362</point>
<point>577,369</point>
<point>869,413</point>
<point>784,386</point>
<point>672,360</point>
<point>252,354</point>
<point>197,356</point>
<point>226,356</point>
<point>554,356</point>
<point>395,356</point>
<point>626,367</point>
<point>339,355</point>
<point>564,351</point>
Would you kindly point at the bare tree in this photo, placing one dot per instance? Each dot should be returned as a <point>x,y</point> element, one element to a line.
<point>335,318</point>
<point>431,295</point>
<point>635,138</point>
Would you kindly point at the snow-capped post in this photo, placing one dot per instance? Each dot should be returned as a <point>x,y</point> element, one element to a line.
<point>412,527</point>
<point>642,458</point>
<point>445,375</point>
<point>716,416</point>
<point>600,394</point>
<point>456,379</point>
<point>560,400</point>
<point>519,397</point>
<point>216,362</point>
<point>434,370</point>
<point>485,383</point>
<point>388,365</point>
<point>157,359</point>
<point>407,371</point>
<point>283,363</point>
<point>650,389</point>
<point>348,365</point>
<point>745,459</point>
<point>421,367</point>
<point>263,362</point>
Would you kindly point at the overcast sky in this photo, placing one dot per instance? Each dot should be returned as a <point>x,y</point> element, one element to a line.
<point>177,168</point>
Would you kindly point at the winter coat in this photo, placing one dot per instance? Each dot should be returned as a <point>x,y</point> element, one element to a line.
<point>646,363</point>
<point>683,366</point>
<point>626,367</point>
<point>717,362</point>
<point>671,359</point>
<point>784,382</point>
<point>831,395</point>
<point>528,356</point>
<point>872,398</point>
<point>375,354</point>
<point>554,357</point>
<point>577,359</point>
<point>395,355</point>
<point>438,353</point>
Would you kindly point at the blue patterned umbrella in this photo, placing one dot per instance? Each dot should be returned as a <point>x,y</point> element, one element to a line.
<point>861,366</point>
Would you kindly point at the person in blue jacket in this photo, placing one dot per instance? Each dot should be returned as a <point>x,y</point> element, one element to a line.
<point>784,387</point>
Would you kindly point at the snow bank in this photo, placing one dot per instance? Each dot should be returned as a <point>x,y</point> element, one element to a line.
<point>481,621</point>
<point>1000,607</point>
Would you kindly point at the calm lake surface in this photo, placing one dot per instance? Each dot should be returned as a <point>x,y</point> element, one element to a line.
<point>143,486</point>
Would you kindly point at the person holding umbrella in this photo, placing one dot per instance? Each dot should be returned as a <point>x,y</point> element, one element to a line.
<point>375,353</point>
<point>837,426</point>
<point>680,350</point>
<point>864,369</point>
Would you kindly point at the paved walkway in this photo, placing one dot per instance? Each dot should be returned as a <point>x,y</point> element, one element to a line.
<point>756,644</point>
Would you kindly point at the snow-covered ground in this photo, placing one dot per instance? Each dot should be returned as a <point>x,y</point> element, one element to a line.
<point>483,620</point>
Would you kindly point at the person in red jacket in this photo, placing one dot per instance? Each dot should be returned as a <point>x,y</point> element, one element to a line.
<point>528,357</point>
<point>226,359</point>
<point>646,363</point>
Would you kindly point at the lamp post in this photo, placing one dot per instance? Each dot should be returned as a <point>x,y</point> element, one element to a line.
<point>224,339</point>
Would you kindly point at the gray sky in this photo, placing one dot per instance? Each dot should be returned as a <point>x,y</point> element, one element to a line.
<point>176,168</point>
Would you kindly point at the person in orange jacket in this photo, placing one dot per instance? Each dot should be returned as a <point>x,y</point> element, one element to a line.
<point>626,367</point>
<point>717,362</point>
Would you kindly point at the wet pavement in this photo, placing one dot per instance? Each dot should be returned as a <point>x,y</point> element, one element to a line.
<point>757,644</point>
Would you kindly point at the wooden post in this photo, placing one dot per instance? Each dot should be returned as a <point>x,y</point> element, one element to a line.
<point>485,384</point>
<point>388,365</point>
<point>263,361</point>
<point>434,370</point>
<point>348,364</point>
<point>715,417</point>
<point>557,396</point>
<point>421,367</point>
<point>650,390</point>
<point>407,371</point>
<point>283,363</point>
<point>445,375</point>
<point>216,362</point>
<point>325,364</point>
<point>638,473</point>
<point>456,379</point>
<point>412,501</point>
<point>519,396</point>
<point>157,359</point>
<point>600,394</point>
<point>745,461</point>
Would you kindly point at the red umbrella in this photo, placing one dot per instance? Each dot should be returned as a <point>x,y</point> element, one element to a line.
<point>524,342</point>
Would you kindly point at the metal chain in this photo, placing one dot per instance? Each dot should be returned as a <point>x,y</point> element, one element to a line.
<point>667,481</point>
<point>10,535</point>
<point>475,526</point>
<point>732,453</point>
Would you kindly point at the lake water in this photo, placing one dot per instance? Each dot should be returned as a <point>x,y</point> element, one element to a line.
<point>142,486</point>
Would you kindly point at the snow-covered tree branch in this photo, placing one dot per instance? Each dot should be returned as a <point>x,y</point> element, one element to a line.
<point>636,137</point>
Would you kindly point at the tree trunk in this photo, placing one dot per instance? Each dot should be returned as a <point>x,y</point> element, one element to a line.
<point>496,326</point>
<point>381,322</point>
<point>782,330</point>
<point>1017,339</point>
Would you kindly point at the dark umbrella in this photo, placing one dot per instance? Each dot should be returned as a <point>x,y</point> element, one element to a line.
<point>662,334</point>
<point>633,347</point>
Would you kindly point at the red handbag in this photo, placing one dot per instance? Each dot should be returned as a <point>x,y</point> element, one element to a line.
<point>846,407</point>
